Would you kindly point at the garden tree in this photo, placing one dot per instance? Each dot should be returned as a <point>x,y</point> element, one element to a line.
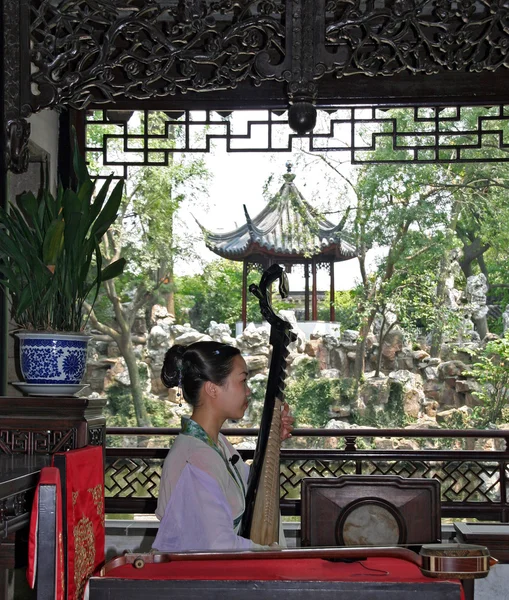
<point>145,234</point>
<point>421,213</point>
<point>393,208</point>
<point>491,372</point>
<point>345,306</point>
<point>215,294</point>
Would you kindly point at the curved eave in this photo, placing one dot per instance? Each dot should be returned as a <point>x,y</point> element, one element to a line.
<point>330,252</point>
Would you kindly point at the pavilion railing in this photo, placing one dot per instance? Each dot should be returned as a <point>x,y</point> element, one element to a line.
<point>474,478</point>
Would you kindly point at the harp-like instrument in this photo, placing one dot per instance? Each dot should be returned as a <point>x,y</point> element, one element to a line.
<point>260,522</point>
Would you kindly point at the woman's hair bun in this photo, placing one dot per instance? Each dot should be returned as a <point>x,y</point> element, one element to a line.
<point>171,373</point>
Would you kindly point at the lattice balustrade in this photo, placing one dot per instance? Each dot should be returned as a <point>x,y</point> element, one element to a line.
<point>132,477</point>
<point>475,483</point>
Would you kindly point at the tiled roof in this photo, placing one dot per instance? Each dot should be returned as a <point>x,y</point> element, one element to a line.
<point>287,227</point>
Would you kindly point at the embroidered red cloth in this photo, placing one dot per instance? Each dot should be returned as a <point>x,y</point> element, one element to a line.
<point>50,476</point>
<point>82,474</point>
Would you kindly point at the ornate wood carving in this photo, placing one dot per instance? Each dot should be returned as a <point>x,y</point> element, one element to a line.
<point>84,50</point>
<point>18,134</point>
<point>87,50</point>
<point>29,441</point>
<point>137,53</point>
<point>13,506</point>
<point>417,36</point>
<point>14,52</point>
<point>96,436</point>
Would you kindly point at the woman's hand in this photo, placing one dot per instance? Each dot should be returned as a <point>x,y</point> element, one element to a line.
<point>286,422</point>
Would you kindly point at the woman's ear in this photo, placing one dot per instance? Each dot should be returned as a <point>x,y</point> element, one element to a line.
<point>210,389</point>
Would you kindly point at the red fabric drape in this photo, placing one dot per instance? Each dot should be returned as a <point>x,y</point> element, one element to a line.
<point>82,474</point>
<point>49,476</point>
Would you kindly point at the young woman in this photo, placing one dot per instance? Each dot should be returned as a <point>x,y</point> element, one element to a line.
<point>204,480</point>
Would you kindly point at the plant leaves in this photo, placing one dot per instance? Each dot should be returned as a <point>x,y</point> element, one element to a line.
<point>114,269</point>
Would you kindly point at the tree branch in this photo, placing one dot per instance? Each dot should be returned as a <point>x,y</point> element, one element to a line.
<point>105,329</point>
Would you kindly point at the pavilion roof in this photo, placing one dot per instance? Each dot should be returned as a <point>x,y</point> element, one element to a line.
<point>287,228</point>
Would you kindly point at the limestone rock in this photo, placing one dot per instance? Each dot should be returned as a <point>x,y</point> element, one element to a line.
<point>466,385</point>
<point>221,332</point>
<point>375,391</point>
<point>349,336</point>
<point>420,355</point>
<point>451,368</point>
<point>300,343</point>
<point>383,443</point>
<point>406,444</point>
<point>160,312</point>
<point>413,392</point>
<point>298,359</point>
<point>432,389</point>
<point>424,422</point>
<point>445,416</point>
<point>191,336</point>
<point>312,347</point>
<point>254,340</point>
<point>340,411</point>
<point>430,373</point>
<point>256,362</point>
<point>158,337</point>
<point>404,360</point>
<point>392,344</point>
<point>430,408</point>
<point>121,374</point>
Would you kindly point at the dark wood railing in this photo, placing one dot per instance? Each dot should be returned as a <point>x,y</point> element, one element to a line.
<point>471,465</point>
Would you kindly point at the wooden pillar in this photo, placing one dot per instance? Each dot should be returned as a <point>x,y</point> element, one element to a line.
<point>314,308</point>
<point>332,294</point>
<point>244,295</point>
<point>306,291</point>
<point>4,309</point>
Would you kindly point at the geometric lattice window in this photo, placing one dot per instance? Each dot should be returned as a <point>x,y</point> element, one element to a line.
<point>413,134</point>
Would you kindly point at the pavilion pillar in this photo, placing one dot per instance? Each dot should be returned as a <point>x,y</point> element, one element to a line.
<point>314,307</point>
<point>244,294</point>
<point>332,294</point>
<point>306,291</point>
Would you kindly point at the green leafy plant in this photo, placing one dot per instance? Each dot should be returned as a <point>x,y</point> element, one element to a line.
<point>48,244</point>
<point>491,370</point>
<point>311,396</point>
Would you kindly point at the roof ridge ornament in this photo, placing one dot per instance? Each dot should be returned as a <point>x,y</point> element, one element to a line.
<point>288,176</point>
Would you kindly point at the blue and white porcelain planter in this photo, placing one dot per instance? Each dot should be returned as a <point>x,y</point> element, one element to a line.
<point>53,358</point>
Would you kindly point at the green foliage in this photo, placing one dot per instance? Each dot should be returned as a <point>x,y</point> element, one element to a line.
<point>50,245</point>
<point>149,233</point>
<point>215,295</point>
<point>120,409</point>
<point>311,396</point>
<point>491,370</point>
<point>392,415</point>
<point>345,306</point>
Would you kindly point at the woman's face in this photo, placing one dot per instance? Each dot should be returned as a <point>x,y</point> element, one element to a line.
<point>234,393</point>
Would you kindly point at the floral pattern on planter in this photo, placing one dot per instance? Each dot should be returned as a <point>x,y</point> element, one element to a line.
<point>53,360</point>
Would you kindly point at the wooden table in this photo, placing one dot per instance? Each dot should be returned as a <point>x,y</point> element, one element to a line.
<point>495,536</point>
<point>267,579</point>
<point>19,474</point>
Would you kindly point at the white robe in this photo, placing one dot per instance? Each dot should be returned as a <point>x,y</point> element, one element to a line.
<point>199,500</point>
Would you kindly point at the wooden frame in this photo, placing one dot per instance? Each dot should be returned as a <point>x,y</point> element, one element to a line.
<point>370,510</point>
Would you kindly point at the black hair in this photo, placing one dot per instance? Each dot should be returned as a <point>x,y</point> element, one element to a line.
<point>189,367</point>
